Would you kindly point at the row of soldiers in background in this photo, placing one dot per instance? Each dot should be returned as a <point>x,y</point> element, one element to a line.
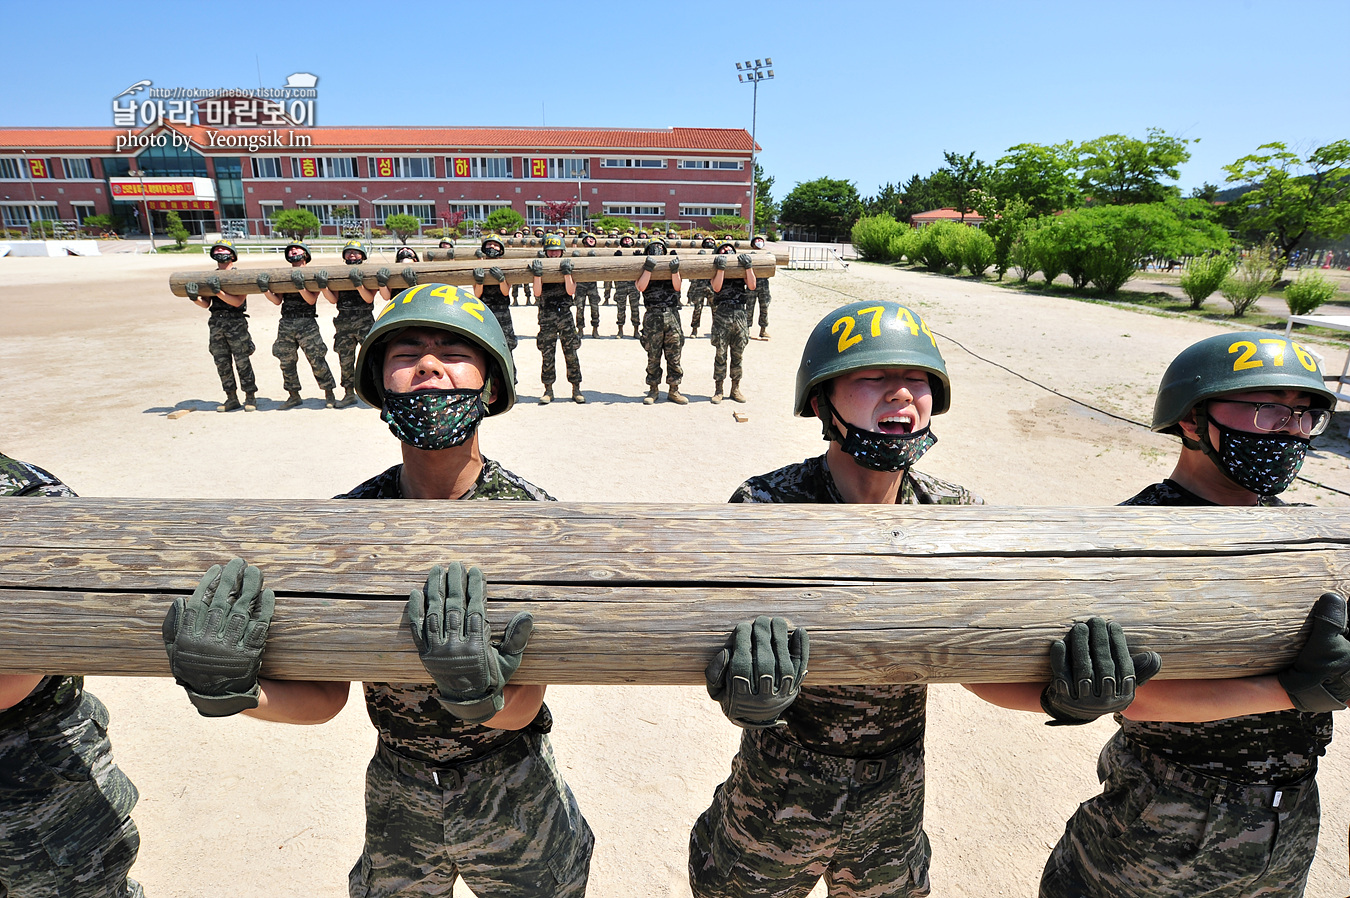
<point>298,331</point>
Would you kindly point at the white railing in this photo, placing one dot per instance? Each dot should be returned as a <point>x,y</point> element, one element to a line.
<point>815,256</point>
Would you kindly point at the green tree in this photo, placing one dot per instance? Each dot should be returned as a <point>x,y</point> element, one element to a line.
<point>1204,275</point>
<point>826,205</point>
<point>1119,170</point>
<point>1292,198</point>
<point>1254,278</point>
<point>873,237</point>
<point>729,224</point>
<point>886,202</point>
<point>1039,175</point>
<point>920,195</point>
<point>612,223</point>
<point>960,181</point>
<point>175,229</point>
<point>504,218</point>
<point>403,226</point>
<point>1004,221</point>
<point>295,223</point>
<point>1105,245</point>
<point>766,210</point>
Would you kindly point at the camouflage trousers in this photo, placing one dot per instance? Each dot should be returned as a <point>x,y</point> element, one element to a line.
<point>65,808</point>
<point>294,335</point>
<point>729,334</point>
<point>348,332</point>
<point>627,298</point>
<point>556,326</point>
<point>787,816</point>
<point>501,308</point>
<point>231,345</point>
<point>1160,829</point>
<point>515,294</point>
<point>700,291</point>
<point>508,824</point>
<point>761,293</point>
<point>588,294</point>
<point>661,333</point>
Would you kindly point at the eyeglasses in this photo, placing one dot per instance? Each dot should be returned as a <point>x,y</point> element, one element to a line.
<point>1272,416</point>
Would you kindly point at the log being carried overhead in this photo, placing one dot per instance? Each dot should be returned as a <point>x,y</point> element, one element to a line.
<point>242,281</point>
<point>639,593</point>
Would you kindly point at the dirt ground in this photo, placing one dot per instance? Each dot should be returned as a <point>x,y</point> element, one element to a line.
<point>94,352</point>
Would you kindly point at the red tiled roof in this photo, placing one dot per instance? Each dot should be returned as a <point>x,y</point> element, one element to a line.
<point>950,214</point>
<point>709,139</point>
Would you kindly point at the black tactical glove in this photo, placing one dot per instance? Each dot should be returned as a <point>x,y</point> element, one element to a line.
<point>591,253</point>
<point>449,624</point>
<point>649,264</point>
<point>321,278</point>
<point>675,265</point>
<point>298,278</point>
<point>1319,679</point>
<point>382,277</point>
<point>1093,673</point>
<point>746,262</point>
<point>496,272</point>
<point>479,275</point>
<point>537,267</point>
<point>213,281</point>
<point>720,262</point>
<point>566,266</point>
<point>759,672</point>
<point>478,253</point>
<point>264,282</point>
<point>191,289</point>
<point>215,639</point>
<point>409,276</point>
<point>358,278</point>
<point>576,252</point>
<point>450,253</point>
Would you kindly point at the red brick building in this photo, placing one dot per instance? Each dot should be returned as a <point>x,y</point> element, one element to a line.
<point>673,174</point>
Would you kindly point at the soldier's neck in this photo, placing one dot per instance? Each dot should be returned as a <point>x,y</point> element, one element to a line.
<point>440,473</point>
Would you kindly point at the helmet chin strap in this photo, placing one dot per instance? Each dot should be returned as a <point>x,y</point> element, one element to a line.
<point>825,411</point>
<point>1202,431</point>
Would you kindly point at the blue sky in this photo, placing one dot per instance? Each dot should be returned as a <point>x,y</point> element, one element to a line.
<point>866,91</point>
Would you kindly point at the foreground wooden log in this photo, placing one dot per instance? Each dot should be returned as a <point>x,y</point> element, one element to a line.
<point>242,281</point>
<point>647,593</point>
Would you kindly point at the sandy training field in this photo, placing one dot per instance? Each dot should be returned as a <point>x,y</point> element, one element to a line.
<point>95,352</point>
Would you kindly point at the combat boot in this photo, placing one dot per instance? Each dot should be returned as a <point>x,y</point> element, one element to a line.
<point>250,402</point>
<point>576,395</point>
<point>736,394</point>
<point>674,395</point>
<point>635,332</point>
<point>717,393</point>
<point>650,398</point>
<point>764,333</point>
<point>548,395</point>
<point>231,402</point>
<point>693,332</point>
<point>595,330</point>
<point>292,400</point>
<point>348,399</point>
<point>329,400</point>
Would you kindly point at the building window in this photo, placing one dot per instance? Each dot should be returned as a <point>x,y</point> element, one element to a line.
<point>266,167</point>
<point>424,212</point>
<point>330,213</point>
<point>268,208</point>
<point>477,211</point>
<point>19,215</point>
<point>82,211</point>
<point>729,164</point>
<point>635,211</point>
<point>498,168</point>
<point>323,167</point>
<point>12,170</point>
<point>644,162</point>
<point>423,167</point>
<point>77,169</point>
<point>171,162</point>
<point>708,211</point>
<point>534,214</point>
<point>568,168</point>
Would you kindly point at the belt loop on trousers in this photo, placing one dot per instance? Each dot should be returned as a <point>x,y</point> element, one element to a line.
<point>870,770</point>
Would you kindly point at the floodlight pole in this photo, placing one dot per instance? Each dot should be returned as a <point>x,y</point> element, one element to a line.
<point>755,73</point>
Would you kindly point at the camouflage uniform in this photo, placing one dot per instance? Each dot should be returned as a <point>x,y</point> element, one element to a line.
<point>1227,808</point>
<point>556,326</point>
<point>838,791</point>
<point>700,291</point>
<point>729,329</point>
<point>231,345</point>
<point>65,807</point>
<point>515,294</point>
<point>588,291</point>
<point>355,318</point>
<point>501,308</point>
<point>627,298</point>
<point>445,798</point>
<point>662,333</point>
<point>761,293</point>
<point>298,330</point>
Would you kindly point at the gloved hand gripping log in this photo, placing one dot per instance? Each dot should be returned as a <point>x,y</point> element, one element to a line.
<point>243,281</point>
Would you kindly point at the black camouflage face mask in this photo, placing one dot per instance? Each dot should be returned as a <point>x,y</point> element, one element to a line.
<point>1264,463</point>
<point>889,452</point>
<point>434,419</point>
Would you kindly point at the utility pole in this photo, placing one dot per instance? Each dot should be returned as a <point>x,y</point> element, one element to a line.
<point>753,74</point>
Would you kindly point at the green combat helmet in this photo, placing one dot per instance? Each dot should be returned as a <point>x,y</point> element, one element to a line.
<point>444,307</point>
<point>356,245</point>
<point>227,245</point>
<point>553,241</point>
<point>1235,363</point>
<point>864,335</point>
<point>287,251</point>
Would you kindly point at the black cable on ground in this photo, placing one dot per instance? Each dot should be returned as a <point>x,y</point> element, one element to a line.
<point>1034,383</point>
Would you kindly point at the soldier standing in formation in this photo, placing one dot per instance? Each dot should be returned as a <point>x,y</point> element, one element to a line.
<point>498,300</point>
<point>355,316</point>
<point>626,294</point>
<point>556,325</point>
<point>662,332</point>
<point>298,330</point>
<point>230,342</point>
<point>65,806</point>
<point>588,293</point>
<point>463,782</point>
<point>700,291</point>
<point>730,333</point>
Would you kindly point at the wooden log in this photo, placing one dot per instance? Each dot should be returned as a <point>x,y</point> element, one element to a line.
<point>435,254</point>
<point>241,281</point>
<point>647,593</point>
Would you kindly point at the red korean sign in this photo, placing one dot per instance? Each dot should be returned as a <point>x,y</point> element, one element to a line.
<point>538,168</point>
<point>384,166</point>
<point>37,168</point>
<point>309,167</point>
<point>181,204</point>
<point>135,189</point>
<point>460,167</point>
